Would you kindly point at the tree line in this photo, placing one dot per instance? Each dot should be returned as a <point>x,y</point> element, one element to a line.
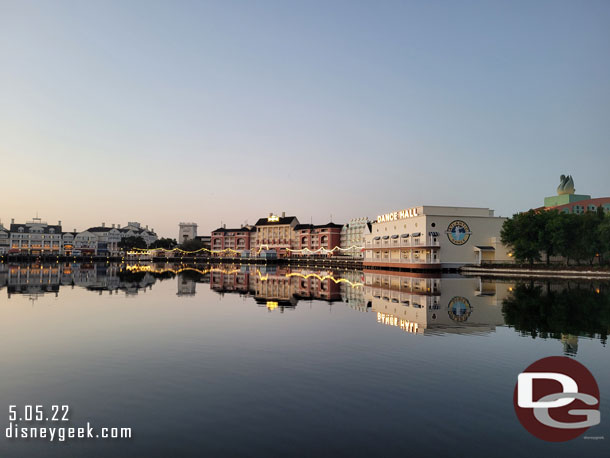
<point>577,238</point>
<point>129,243</point>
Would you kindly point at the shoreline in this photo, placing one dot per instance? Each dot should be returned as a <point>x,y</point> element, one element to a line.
<point>333,262</point>
<point>527,272</point>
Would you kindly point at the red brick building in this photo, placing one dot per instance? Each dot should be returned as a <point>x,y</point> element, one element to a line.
<point>234,239</point>
<point>315,237</point>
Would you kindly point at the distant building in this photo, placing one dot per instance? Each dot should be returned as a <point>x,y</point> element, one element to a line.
<point>233,239</point>
<point>206,241</point>
<point>353,235</point>
<point>567,201</point>
<point>68,242</point>
<point>276,233</point>
<point>5,236</point>
<point>135,229</point>
<point>35,238</point>
<point>433,237</point>
<point>317,237</point>
<point>107,239</point>
<point>186,232</point>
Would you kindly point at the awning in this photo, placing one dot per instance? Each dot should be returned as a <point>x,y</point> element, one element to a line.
<point>416,234</point>
<point>377,238</point>
<point>395,236</point>
<point>433,234</point>
<point>404,236</point>
<point>484,248</point>
<point>385,237</point>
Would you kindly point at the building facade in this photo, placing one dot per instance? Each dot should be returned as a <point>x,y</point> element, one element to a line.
<point>186,232</point>
<point>231,239</point>
<point>567,201</point>
<point>324,237</point>
<point>5,240</point>
<point>35,238</point>
<point>276,233</point>
<point>135,229</point>
<point>353,237</point>
<point>434,237</point>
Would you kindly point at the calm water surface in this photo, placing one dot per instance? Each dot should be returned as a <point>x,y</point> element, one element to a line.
<point>238,361</point>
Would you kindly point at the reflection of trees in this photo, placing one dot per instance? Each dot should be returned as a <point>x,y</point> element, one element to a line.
<point>192,275</point>
<point>127,276</point>
<point>580,309</point>
<point>163,275</point>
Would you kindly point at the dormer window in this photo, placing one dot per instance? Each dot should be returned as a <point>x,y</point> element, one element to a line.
<point>20,229</point>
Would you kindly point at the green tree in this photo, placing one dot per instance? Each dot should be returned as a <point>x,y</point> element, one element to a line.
<point>604,238</point>
<point>565,231</point>
<point>192,245</point>
<point>132,242</point>
<point>522,234</point>
<point>166,243</point>
<point>588,242</point>
<point>547,223</point>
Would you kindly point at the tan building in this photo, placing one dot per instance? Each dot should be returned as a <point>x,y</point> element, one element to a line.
<point>275,233</point>
<point>434,237</point>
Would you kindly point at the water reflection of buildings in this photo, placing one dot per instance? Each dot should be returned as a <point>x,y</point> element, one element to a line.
<point>432,305</point>
<point>354,297</point>
<point>37,279</point>
<point>280,287</point>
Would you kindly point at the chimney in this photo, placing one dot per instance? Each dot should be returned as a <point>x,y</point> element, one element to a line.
<point>74,230</point>
<point>283,214</point>
<point>147,227</point>
<point>12,220</point>
<point>270,215</point>
<point>103,224</point>
<point>118,226</point>
<point>112,225</point>
<point>59,223</point>
<point>224,226</point>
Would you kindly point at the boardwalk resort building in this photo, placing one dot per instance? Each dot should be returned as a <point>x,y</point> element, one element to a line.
<point>433,237</point>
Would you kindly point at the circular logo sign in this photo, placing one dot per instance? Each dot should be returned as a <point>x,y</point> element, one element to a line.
<point>458,232</point>
<point>557,399</point>
<point>459,309</point>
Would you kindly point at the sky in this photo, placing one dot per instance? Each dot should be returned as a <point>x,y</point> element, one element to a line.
<point>225,111</point>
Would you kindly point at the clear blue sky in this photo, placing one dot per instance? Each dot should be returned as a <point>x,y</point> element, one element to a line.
<point>176,111</point>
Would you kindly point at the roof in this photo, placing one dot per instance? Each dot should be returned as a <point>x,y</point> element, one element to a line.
<point>134,230</point>
<point>100,229</point>
<point>280,221</point>
<point>485,248</point>
<point>299,227</point>
<point>46,229</point>
<point>330,225</point>
<point>241,229</point>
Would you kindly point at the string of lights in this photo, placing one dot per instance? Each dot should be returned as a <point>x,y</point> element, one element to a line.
<point>140,268</point>
<point>145,251</point>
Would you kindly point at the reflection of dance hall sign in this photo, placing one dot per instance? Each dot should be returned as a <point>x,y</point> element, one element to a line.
<point>459,309</point>
<point>390,320</point>
<point>395,216</point>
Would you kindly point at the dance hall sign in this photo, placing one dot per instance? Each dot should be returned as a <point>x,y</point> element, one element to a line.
<point>397,215</point>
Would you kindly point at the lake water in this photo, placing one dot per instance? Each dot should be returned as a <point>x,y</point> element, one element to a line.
<point>246,361</point>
